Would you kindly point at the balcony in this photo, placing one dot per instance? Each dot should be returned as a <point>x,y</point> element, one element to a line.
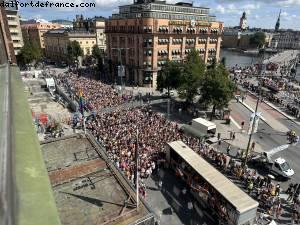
<point>19,139</point>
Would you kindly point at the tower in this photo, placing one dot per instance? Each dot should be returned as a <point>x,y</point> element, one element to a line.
<point>243,22</point>
<point>278,22</point>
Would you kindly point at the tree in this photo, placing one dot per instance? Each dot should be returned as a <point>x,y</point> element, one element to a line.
<point>258,39</point>
<point>217,89</point>
<point>74,50</point>
<point>170,77</point>
<point>193,74</point>
<point>29,53</point>
<point>98,55</point>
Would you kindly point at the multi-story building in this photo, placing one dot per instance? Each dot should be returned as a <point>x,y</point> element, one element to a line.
<point>147,33</point>
<point>7,52</point>
<point>93,25</point>
<point>243,22</point>
<point>34,32</point>
<point>286,40</point>
<point>235,38</point>
<point>56,43</point>
<point>14,28</point>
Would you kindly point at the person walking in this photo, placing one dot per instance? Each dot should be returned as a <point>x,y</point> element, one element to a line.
<point>228,149</point>
<point>233,136</point>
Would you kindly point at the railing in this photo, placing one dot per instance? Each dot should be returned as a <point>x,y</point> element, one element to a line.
<point>21,163</point>
<point>6,189</point>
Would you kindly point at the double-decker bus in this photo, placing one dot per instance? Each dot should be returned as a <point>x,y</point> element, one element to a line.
<point>211,189</point>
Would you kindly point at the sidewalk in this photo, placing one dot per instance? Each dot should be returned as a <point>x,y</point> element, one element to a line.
<point>241,137</point>
<point>282,113</point>
<point>250,104</point>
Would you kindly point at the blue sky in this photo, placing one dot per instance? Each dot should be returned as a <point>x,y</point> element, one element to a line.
<point>260,13</point>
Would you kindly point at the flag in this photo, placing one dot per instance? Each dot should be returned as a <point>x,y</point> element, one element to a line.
<point>81,102</point>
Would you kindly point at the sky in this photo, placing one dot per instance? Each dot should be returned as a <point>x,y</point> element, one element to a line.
<point>260,13</point>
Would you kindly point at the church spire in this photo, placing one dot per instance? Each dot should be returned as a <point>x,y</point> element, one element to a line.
<point>278,22</point>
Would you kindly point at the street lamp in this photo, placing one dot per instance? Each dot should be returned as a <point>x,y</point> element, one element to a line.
<point>252,129</point>
<point>121,65</point>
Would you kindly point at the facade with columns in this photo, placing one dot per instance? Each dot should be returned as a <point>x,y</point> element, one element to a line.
<point>144,35</point>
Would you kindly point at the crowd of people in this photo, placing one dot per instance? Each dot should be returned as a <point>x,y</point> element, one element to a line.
<point>120,131</point>
<point>263,189</point>
<point>97,95</point>
<point>281,92</point>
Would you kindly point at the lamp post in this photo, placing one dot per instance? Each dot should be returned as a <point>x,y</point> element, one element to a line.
<point>252,130</point>
<point>121,64</point>
<point>137,167</point>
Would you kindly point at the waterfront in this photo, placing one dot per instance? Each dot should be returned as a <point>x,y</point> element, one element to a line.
<point>236,58</point>
<point>233,58</point>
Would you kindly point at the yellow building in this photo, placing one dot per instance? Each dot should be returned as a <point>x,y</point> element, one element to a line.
<point>56,42</point>
<point>148,33</point>
<point>92,25</point>
<point>34,32</point>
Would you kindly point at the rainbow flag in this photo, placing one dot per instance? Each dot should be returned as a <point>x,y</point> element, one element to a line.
<point>81,102</point>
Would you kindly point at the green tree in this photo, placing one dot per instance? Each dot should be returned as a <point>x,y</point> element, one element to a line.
<point>98,55</point>
<point>170,77</point>
<point>193,74</point>
<point>217,89</point>
<point>29,53</point>
<point>74,50</point>
<point>258,39</point>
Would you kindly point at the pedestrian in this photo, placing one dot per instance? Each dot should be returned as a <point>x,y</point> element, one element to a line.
<point>253,146</point>
<point>277,190</point>
<point>160,185</point>
<point>233,136</point>
<point>242,124</point>
<point>228,149</point>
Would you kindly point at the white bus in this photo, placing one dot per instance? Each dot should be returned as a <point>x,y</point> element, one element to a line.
<point>211,188</point>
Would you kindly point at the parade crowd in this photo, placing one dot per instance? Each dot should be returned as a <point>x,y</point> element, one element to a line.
<point>121,130</point>
<point>97,95</point>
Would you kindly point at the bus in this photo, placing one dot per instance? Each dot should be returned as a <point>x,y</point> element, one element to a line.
<point>211,188</point>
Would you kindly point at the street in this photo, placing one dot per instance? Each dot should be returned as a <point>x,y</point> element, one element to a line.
<point>270,137</point>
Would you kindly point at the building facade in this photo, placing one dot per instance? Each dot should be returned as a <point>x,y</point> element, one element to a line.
<point>34,32</point>
<point>13,20</point>
<point>145,34</point>
<point>286,40</point>
<point>92,25</point>
<point>56,43</point>
<point>7,52</point>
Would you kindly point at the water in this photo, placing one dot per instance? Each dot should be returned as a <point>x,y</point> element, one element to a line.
<point>233,58</point>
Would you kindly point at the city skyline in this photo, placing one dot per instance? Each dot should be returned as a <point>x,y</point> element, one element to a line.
<point>259,13</point>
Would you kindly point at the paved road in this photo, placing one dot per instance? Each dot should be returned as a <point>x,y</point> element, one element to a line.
<point>269,138</point>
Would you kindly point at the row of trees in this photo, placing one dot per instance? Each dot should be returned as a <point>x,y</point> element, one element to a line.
<point>212,85</point>
<point>29,54</point>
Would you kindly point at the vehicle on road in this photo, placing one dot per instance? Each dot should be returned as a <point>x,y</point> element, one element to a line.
<point>211,189</point>
<point>278,167</point>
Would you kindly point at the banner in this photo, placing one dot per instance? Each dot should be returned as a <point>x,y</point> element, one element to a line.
<point>121,71</point>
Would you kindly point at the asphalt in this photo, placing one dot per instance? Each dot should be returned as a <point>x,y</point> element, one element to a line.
<point>270,138</point>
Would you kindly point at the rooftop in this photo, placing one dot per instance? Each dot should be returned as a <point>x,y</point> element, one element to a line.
<point>86,189</point>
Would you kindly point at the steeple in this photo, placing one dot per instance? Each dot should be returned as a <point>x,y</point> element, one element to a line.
<point>278,22</point>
